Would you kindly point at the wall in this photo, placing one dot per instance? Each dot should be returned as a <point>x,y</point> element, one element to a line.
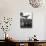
<point>12,8</point>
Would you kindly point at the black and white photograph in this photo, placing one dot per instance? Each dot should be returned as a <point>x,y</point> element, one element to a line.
<point>25,20</point>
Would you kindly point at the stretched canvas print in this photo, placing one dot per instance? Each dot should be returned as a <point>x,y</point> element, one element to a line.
<point>25,20</point>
